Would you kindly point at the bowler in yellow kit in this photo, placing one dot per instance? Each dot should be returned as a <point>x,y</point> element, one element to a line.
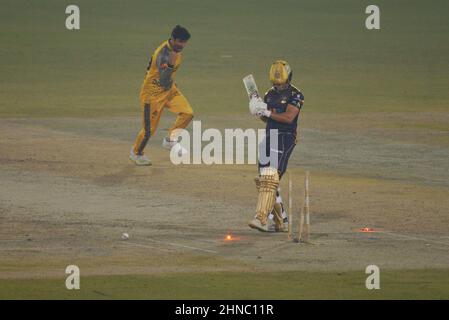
<point>159,91</point>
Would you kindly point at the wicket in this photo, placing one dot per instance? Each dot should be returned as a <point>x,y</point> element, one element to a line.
<point>290,206</point>
<point>304,214</point>
<point>304,226</point>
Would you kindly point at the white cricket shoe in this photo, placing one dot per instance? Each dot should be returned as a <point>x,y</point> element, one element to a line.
<point>168,144</point>
<point>174,146</point>
<point>284,226</point>
<point>256,224</point>
<point>273,227</point>
<point>140,160</point>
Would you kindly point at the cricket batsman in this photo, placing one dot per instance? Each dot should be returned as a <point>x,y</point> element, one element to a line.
<point>159,91</point>
<point>280,109</point>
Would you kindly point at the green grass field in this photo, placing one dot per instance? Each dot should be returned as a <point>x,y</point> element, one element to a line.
<point>413,284</point>
<point>47,70</point>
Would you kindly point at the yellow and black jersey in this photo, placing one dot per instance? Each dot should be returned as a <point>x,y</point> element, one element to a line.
<point>160,74</point>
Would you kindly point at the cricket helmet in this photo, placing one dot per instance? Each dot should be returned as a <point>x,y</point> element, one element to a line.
<point>280,72</point>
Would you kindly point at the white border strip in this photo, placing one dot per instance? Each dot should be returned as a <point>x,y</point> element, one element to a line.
<point>172,244</point>
<point>415,238</point>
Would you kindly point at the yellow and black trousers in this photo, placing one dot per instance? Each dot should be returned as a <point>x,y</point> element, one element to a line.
<point>151,111</point>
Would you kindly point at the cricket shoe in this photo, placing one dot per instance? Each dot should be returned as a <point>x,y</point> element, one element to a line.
<point>256,224</point>
<point>140,160</point>
<point>273,227</point>
<point>174,146</point>
<point>283,227</point>
<point>167,143</point>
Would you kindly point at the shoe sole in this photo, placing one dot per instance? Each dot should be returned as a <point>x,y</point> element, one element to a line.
<point>258,228</point>
<point>140,164</point>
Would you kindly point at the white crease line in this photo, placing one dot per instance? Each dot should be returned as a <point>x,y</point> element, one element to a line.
<point>145,246</point>
<point>35,248</point>
<point>415,238</point>
<point>183,246</point>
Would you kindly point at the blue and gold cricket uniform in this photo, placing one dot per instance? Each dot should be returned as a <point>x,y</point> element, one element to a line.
<point>277,101</point>
<point>158,92</point>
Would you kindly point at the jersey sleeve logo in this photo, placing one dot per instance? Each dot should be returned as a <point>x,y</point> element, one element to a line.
<point>295,100</point>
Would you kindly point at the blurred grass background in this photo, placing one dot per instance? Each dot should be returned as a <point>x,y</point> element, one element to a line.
<point>394,284</point>
<point>47,70</point>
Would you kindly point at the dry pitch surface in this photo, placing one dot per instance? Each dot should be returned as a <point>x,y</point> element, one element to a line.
<point>68,191</point>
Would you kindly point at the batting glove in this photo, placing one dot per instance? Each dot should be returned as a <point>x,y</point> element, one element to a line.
<point>256,104</point>
<point>263,113</point>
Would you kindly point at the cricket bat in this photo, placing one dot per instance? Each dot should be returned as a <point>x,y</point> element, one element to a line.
<point>251,86</point>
